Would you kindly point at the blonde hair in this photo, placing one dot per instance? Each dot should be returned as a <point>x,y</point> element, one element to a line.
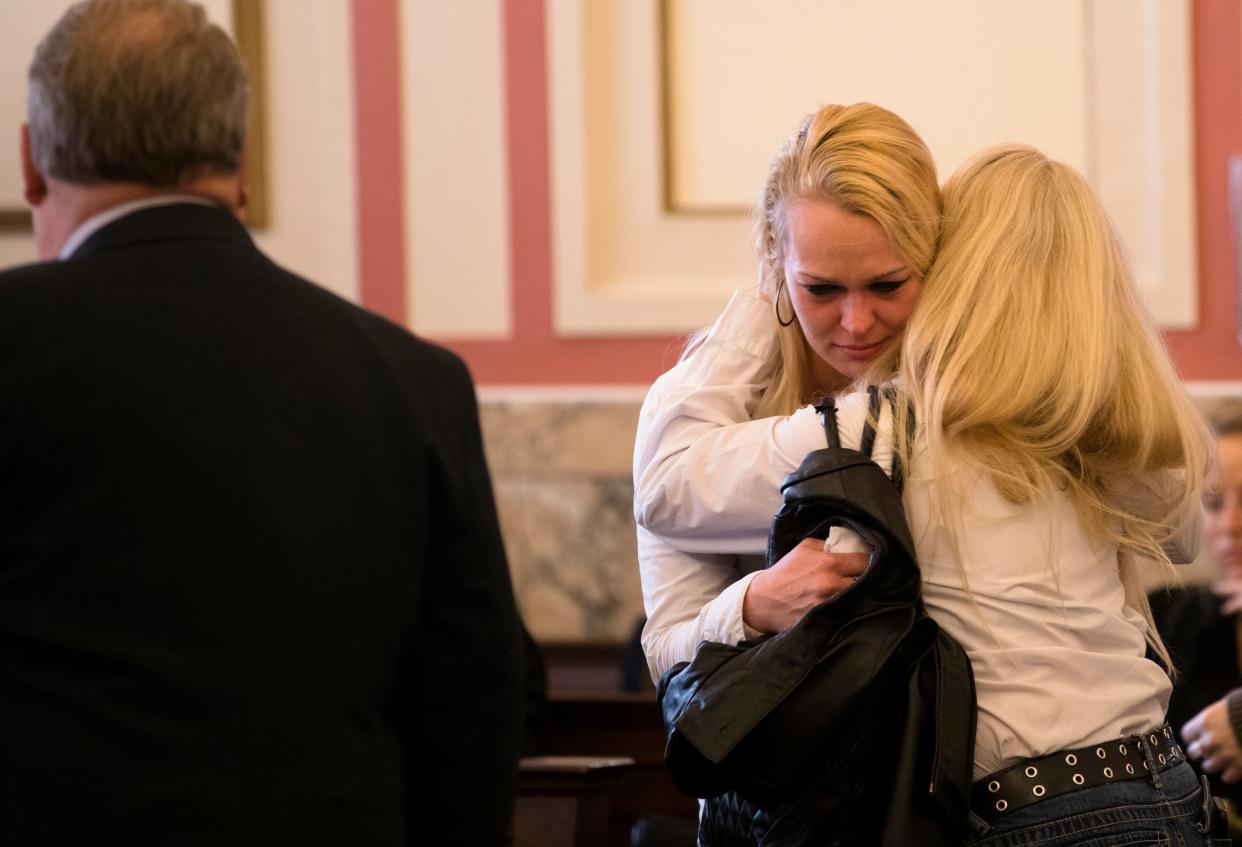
<point>868,161</point>
<point>1031,356</point>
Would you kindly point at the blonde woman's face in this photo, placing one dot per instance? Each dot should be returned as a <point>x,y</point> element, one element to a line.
<point>852,293</point>
<point>1222,508</point>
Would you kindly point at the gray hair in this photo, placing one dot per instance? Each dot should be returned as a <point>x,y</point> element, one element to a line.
<point>144,91</point>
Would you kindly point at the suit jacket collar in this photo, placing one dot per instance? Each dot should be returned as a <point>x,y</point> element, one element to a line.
<point>178,222</point>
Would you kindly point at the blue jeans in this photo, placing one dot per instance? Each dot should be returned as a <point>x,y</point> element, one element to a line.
<point>1172,807</point>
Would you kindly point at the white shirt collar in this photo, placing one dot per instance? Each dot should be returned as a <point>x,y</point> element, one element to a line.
<point>99,220</point>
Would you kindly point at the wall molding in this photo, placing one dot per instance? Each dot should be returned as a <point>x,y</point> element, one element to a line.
<point>624,264</point>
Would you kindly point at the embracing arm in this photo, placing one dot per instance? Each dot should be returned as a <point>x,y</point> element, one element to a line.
<point>696,597</point>
<point>706,477</point>
<point>707,483</point>
<point>689,598</point>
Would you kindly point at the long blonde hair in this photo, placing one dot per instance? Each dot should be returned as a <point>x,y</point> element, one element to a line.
<point>866,160</point>
<point>1031,356</point>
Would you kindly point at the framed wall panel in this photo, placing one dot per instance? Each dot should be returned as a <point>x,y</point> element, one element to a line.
<point>665,112</point>
<point>1142,145</point>
<point>621,264</point>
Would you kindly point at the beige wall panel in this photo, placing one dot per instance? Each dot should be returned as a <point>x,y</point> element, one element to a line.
<point>965,73</point>
<point>1143,159</point>
<point>740,77</point>
<point>456,190</point>
<point>313,228</point>
<point>621,265</point>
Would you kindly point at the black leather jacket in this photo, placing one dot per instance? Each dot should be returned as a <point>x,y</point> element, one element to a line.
<point>856,726</point>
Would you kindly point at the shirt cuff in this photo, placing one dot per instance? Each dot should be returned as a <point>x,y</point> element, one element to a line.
<point>729,604</point>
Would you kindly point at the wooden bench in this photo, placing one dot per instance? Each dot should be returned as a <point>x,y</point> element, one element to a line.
<point>613,776</point>
<point>564,801</point>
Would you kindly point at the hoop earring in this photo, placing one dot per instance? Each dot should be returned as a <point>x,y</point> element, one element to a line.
<point>776,306</point>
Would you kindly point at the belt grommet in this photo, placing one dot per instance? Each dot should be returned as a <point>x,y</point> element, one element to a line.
<point>1130,769</point>
<point>1032,771</point>
<point>1001,805</point>
<point>1099,751</point>
<point>1153,738</point>
<point>1108,772</point>
<point>1146,766</point>
<point>1121,748</point>
<point>1038,791</point>
<point>1162,759</point>
<point>1078,780</point>
<point>1071,759</point>
<point>1168,733</point>
<point>993,786</point>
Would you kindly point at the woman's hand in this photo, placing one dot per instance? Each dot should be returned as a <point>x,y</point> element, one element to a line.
<point>806,576</point>
<point>1210,737</point>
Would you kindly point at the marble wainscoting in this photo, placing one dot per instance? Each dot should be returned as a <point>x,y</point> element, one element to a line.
<point>561,472</point>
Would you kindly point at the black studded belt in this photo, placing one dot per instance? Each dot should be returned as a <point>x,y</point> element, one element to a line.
<point>1033,780</point>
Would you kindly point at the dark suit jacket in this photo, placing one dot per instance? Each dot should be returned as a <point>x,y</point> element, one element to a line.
<point>252,589</point>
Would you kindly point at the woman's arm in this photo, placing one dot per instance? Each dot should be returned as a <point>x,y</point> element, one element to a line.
<point>689,598</point>
<point>707,483</point>
<point>706,477</point>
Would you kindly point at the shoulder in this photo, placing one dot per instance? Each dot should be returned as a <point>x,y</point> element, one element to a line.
<point>852,405</point>
<point>391,342</point>
<point>18,279</point>
<point>853,411</point>
<point>34,292</point>
<point>438,368</point>
<point>417,350</point>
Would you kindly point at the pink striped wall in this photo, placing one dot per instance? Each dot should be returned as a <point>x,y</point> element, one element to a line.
<point>377,139</point>
<point>534,354</point>
<point>1212,351</point>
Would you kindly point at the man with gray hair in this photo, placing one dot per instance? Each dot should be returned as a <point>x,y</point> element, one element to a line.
<point>252,589</point>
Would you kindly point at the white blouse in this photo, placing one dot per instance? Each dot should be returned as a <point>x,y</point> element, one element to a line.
<point>1059,659</point>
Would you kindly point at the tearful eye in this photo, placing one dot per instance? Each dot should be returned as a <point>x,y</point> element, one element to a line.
<point>820,290</point>
<point>888,286</point>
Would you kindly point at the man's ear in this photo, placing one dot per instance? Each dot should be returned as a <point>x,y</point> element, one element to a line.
<point>34,185</point>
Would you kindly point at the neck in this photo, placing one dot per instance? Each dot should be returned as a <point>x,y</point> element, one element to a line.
<point>68,204</point>
<point>822,378</point>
